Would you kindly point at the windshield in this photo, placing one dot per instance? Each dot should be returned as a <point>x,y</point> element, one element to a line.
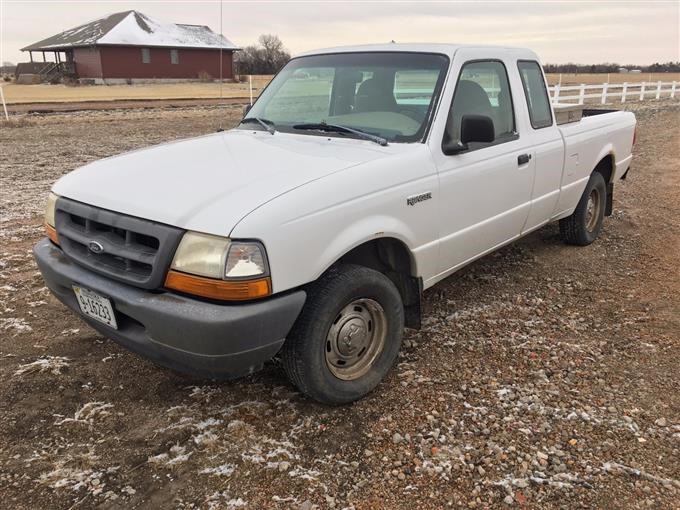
<point>390,94</point>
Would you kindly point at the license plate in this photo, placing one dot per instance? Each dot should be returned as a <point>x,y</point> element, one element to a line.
<point>96,306</point>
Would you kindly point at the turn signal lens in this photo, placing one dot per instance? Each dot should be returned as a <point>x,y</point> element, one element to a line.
<point>218,289</point>
<point>245,259</point>
<point>51,233</point>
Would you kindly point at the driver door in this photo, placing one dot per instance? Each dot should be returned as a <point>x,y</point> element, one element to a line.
<point>486,189</point>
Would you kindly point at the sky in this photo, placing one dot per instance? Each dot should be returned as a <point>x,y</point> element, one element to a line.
<point>585,32</point>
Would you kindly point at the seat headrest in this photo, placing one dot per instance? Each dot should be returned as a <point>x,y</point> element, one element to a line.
<point>374,95</point>
<point>471,97</point>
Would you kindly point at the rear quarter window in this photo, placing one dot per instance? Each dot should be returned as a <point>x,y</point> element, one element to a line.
<point>536,94</point>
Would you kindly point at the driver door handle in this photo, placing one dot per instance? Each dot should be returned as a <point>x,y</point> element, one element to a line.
<point>523,159</point>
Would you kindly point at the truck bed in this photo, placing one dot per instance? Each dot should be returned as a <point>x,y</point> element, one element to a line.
<point>600,134</point>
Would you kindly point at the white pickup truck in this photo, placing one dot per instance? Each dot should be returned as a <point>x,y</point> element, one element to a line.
<point>359,178</point>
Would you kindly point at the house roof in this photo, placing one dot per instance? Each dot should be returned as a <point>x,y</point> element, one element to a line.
<point>132,28</point>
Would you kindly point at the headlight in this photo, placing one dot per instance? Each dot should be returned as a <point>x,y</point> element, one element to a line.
<point>49,209</point>
<point>219,268</point>
<point>201,254</point>
<point>49,218</point>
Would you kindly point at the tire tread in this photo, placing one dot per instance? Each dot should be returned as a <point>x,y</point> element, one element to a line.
<point>318,294</point>
<point>573,228</point>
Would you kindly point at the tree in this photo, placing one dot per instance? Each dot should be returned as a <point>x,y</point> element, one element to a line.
<point>267,57</point>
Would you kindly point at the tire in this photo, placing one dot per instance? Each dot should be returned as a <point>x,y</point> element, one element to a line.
<point>584,225</point>
<point>334,352</point>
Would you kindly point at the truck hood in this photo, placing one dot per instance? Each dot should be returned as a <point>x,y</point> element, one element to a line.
<point>209,183</point>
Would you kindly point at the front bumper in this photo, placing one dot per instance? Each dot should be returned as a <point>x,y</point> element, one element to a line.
<point>185,334</point>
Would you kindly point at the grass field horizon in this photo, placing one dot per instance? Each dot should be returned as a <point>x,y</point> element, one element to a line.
<point>45,93</point>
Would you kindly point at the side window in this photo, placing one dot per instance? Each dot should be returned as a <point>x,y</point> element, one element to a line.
<point>536,94</point>
<point>174,56</point>
<point>146,56</point>
<point>483,89</point>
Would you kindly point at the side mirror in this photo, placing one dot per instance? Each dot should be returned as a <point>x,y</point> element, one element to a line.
<point>246,109</point>
<point>473,128</point>
<point>477,128</point>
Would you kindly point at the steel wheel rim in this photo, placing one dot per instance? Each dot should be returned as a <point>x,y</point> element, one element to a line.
<point>593,210</point>
<point>355,339</point>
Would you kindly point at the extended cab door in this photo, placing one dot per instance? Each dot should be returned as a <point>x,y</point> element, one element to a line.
<point>547,144</point>
<point>485,191</point>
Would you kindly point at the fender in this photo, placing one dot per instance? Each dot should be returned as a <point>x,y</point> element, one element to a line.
<point>369,229</point>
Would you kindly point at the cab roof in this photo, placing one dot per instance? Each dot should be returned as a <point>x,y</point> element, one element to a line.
<point>445,49</point>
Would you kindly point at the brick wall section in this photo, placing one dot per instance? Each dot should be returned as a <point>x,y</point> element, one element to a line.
<point>88,63</point>
<point>126,62</point>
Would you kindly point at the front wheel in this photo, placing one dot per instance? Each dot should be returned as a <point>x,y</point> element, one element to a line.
<point>347,337</point>
<point>584,225</point>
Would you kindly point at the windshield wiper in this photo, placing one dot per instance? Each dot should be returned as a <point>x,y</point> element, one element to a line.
<point>265,123</point>
<point>323,126</point>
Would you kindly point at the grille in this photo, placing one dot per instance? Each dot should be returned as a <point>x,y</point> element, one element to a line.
<point>125,248</point>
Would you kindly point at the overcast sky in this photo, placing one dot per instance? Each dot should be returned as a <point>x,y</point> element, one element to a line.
<point>639,32</point>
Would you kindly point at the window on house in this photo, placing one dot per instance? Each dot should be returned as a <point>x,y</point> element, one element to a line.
<point>146,56</point>
<point>536,94</point>
<point>174,56</point>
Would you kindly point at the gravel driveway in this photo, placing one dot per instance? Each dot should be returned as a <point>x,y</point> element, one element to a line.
<point>545,376</point>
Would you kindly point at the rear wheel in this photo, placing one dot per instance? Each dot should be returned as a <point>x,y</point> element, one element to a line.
<point>347,337</point>
<point>584,225</point>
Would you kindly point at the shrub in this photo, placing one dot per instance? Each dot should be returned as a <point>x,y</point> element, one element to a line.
<point>204,76</point>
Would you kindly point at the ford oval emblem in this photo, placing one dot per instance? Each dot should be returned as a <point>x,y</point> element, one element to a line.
<point>95,247</point>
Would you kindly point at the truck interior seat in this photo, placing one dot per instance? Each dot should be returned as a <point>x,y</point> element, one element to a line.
<point>375,95</point>
<point>470,99</point>
<point>504,122</point>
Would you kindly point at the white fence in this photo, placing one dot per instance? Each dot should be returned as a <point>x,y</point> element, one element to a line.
<point>639,91</point>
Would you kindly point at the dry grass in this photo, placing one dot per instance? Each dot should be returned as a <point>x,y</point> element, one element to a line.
<point>45,93</point>
<point>599,78</point>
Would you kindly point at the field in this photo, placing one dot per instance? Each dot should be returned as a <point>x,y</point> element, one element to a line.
<point>19,94</point>
<point>599,79</point>
<point>42,93</point>
<point>545,376</point>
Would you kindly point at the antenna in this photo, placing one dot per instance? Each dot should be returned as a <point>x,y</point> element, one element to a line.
<point>221,81</point>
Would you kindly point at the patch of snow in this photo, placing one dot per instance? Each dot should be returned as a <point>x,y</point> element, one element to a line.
<point>205,438</point>
<point>176,455</point>
<point>220,500</point>
<point>18,324</point>
<point>210,422</point>
<point>53,364</point>
<point>88,413</point>
<point>222,470</point>
<point>141,30</point>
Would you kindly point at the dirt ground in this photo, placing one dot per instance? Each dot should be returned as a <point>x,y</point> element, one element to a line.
<point>545,376</point>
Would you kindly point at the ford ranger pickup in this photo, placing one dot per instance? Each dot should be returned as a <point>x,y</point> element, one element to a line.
<point>360,177</point>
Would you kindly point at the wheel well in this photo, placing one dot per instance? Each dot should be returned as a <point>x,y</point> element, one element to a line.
<point>606,168</point>
<point>392,258</point>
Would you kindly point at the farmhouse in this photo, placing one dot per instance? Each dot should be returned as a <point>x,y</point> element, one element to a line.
<point>131,46</point>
